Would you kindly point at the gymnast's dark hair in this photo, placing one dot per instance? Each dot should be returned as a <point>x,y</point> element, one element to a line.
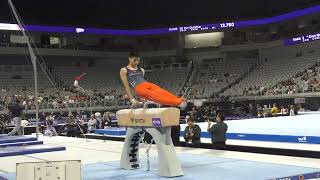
<point>134,54</point>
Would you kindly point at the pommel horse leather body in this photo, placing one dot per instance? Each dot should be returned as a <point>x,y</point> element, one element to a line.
<point>151,117</point>
<point>157,122</point>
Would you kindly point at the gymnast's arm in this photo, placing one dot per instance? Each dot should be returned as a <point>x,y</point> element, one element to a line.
<point>124,79</point>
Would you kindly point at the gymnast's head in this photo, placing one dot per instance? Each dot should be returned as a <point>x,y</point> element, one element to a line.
<point>134,59</point>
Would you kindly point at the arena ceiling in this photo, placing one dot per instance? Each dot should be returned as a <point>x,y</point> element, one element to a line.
<point>138,14</point>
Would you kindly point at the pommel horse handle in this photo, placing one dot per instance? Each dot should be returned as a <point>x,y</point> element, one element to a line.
<point>145,105</point>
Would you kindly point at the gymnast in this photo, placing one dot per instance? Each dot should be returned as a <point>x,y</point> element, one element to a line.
<point>78,78</point>
<point>76,82</point>
<point>133,76</point>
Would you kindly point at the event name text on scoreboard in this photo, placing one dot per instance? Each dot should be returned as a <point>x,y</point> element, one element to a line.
<point>202,27</point>
<point>302,39</point>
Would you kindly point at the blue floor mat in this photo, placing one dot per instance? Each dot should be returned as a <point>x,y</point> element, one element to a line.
<point>22,150</point>
<point>199,167</point>
<point>13,139</point>
<point>21,143</point>
<point>195,167</point>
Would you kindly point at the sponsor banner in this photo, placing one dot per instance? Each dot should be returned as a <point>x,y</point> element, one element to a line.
<point>268,137</point>
<point>310,176</point>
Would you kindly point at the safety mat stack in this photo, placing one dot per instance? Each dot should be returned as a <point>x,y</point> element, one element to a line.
<point>21,145</point>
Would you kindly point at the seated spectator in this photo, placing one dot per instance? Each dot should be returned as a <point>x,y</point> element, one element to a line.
<point>192,134</point>
<point>259,111</point>
<point>218,132</point>
<point>106,121</point>
<point>92,124</point>
<point>98,117</point>
<point>194,114</point>
<point>50,130</point>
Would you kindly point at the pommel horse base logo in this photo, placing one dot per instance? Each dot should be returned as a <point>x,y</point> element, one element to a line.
<point>156,122</point>
<point>137,121</point>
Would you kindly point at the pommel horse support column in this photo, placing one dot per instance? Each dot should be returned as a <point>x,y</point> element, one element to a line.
<point>157,122</point>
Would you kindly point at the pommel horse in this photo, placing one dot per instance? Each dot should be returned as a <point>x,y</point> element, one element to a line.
<point>157,122</point>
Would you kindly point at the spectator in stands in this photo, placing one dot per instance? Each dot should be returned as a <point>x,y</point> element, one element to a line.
<point>218,132</point>
<point>194,114</point>
<point>175,135</point>
<point>50,130</point>
<point>92,124</point>
<point>301,108</point>
<point>212,112</point>
<point>259,111</point>
<point>266,111</point>
<point>187,117</point>
<point>24,104</point>
<point>192,134</point>
<point>97,116</point>
<point>55,104</point>
<point>292,110</point>
<point>83,115</point>
<point>284,110</point>
<point>81,128</point>
<point>70,126</point>
<point>16,112</point>
<point>106,119</point>
<point>274,110</point>
<point>252,110</point>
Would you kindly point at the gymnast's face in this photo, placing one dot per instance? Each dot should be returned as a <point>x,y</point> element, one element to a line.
<point>134,61</point>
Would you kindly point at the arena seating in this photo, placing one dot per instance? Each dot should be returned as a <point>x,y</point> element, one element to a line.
<point>270,73</point>
<point>276,67</point>
<point>170,79</point>
<point>102,81</point>
<point>216,76</point>
<point>105,77</point>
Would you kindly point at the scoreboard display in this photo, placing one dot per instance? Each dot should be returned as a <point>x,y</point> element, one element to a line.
<point>204,27</point>
<point>302,39</point>
<point>178,29</point>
